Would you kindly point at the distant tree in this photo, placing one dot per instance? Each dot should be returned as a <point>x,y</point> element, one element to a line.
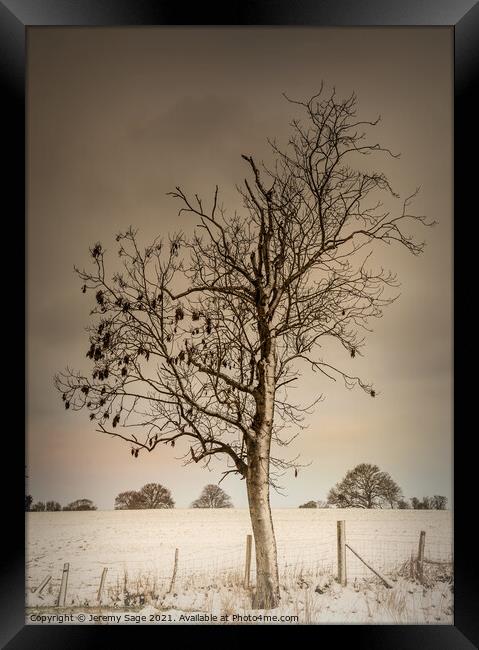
<point>129,500</point>
<point>439,502</point>
<point>365,486</point>
<point>53,506</point>
<point>392,492</point>
<point>152,496</point>
<point>403,504</point>
<point>81,504</point>
<point>39,506</point>
<point>212,496</point>
<point>436,502</point>
<point>309,504</point>
<point>28,502</point>
<point>421,504</point>
<point>426,503</point>
<point>322,504</point>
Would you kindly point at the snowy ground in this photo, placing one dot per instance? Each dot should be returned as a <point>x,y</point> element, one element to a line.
<point>138,548</point>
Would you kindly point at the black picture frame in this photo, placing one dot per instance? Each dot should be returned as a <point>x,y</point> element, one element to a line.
<point>16,16</point>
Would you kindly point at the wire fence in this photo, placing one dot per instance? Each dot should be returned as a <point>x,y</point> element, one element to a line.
<point>388,555</point>
<point>135,581</point>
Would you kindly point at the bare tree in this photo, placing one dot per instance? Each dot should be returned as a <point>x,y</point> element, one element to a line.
<point>392,493</point>
<point>439,502</point>
<point>129,500</point>
<point>212,496</point>
<point>152,496</point>
<point>436,502</point>
<point>200,338</point>
<point>427,503</point>
<point>365,486</point>
<point>80,504</point>
<point>421,504</point>
<point>52,506</point>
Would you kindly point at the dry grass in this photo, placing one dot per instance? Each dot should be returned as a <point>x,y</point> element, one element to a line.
<point>138,591</point>
<point>312,595</point>
<point>428,576</point>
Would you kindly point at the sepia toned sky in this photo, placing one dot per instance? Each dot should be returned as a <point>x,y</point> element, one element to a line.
<point>118,117</point>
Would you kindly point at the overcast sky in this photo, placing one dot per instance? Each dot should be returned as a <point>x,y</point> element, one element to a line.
<point>119,117</point>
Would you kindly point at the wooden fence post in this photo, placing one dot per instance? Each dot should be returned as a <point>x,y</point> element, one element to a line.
<point>342,579</point>
<point>42,585</point>
<point>247,568</point>
<point>381,577</point>
<point>102,582</point>
<point>63,587</point>
<point>175,568</point>
<point>420,554</point>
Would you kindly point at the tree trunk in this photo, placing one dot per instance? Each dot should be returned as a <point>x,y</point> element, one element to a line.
<point>266,595</point>
<point>267,580</point>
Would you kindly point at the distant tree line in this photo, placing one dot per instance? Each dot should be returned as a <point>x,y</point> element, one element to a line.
<point>437,502</point>
<point>55,506</point>
<point>81,504</point>
<point>315,504</point>
<point>151,496</point>
<point>366,486</point>
<point>155,496</point>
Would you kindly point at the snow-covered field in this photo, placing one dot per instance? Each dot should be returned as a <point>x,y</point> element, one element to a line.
<point>138,549</point>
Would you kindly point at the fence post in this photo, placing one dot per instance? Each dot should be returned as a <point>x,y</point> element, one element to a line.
<point>384,580</point>
<point>42,585</point>
<point>247,568</point>
<point>63,587</point>
<point>342,579</point>
<point>175,568</point>
<point>420,554</point>
<point>102,582</point>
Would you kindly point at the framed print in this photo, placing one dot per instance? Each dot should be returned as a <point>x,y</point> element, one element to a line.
<point>242,274</point>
